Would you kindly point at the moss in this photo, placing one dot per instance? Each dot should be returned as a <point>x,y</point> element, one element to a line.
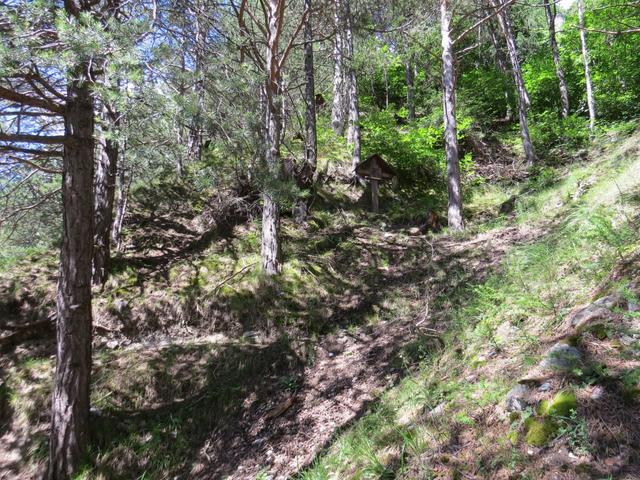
<point>560,405</point>
<point>599,331</point>
<point>539,430</point>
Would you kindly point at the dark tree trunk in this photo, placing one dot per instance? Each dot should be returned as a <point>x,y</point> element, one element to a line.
<point>450,122</point>
<point>70,399</point>
<point>562,83</point>
<point>523,97</point>
<point>310,132</point>
<point>587,70</point>
<point>409,77</point>
<point>104,196</point>
<point>311,138</point>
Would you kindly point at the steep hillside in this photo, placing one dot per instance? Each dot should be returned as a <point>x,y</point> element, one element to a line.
<point>383,351</point>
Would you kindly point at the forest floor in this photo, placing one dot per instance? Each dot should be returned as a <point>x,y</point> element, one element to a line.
<point>382,352</point>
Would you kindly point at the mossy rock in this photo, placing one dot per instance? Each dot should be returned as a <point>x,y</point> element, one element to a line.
<point>539,430</point>
<point>560,405</point>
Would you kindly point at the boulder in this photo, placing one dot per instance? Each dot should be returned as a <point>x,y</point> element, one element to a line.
<point>562,358</point>
<point>601,309</point>
<point>518,398</point>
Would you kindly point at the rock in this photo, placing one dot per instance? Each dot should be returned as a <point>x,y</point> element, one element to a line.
<point>518,398</point>
<point>545,387</point>
<point>597,392</point>
<point>588,314</point>
<point>113,344</point>
<point>414,231</point>
<point>562,358</point>
<point>633,307</point>
<point>612,301</point>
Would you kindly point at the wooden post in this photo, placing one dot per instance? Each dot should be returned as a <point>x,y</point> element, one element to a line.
<point>374,195</point>
<point>376,175</point>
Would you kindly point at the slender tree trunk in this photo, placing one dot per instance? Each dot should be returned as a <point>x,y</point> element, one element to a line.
<point>523,97</point>
<point>121,202</point>
<point>195,139</point>
<point>562,83</point>
<point>353,132</point>
<point>409,77</point>
<point>310,135</point>
<point>271,209</point>
<point>339,106</point>
<point>104,196</point>
<point>450,122</point>
<point>587,70</point>
<point>70,399</point>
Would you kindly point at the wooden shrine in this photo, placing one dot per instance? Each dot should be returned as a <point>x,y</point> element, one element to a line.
<point>376,170</point>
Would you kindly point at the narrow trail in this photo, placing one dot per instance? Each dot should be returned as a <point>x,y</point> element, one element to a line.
<point>350,369</point>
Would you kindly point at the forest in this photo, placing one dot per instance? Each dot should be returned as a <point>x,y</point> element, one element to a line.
<point>319,239</point>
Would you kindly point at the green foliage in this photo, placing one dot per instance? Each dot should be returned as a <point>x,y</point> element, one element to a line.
<point>555,137</point>
<point>415,151</point>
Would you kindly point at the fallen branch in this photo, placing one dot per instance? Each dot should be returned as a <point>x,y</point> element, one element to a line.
<point>232,276</point>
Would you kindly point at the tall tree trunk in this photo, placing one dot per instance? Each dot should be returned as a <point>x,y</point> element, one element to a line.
<point>104,196</point>
<point>587,70</point>
<point>339,106</point>
<point>70,400</point>
<point>353,132</point>
<point>450,122</point>
<point>310,131</point>
<point>121,201</point>
<point>195,140</point>
<point>409,77</point>
<point>271,209</point>
<point>562,83</point>
<point>523,96</point>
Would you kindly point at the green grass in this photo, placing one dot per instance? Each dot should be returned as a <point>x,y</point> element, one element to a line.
<point>581,239</point>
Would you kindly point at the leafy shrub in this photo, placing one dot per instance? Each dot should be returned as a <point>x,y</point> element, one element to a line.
<point>553,135</point>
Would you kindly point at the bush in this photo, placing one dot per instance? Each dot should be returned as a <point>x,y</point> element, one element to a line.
<point>553,135</point>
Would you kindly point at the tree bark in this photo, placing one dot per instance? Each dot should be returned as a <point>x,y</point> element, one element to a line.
<point>562,83</point>
<point>70,399</point>
<point>409,77</point>
<point>271,209</point>
<point>121,202</point>
<point>310,136</point>
<point>450,122</point>
<point>523,96</point>
<point>339,106</point>
<point>104,196</point>
<point>587,70</point>
<point>353,132</point>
